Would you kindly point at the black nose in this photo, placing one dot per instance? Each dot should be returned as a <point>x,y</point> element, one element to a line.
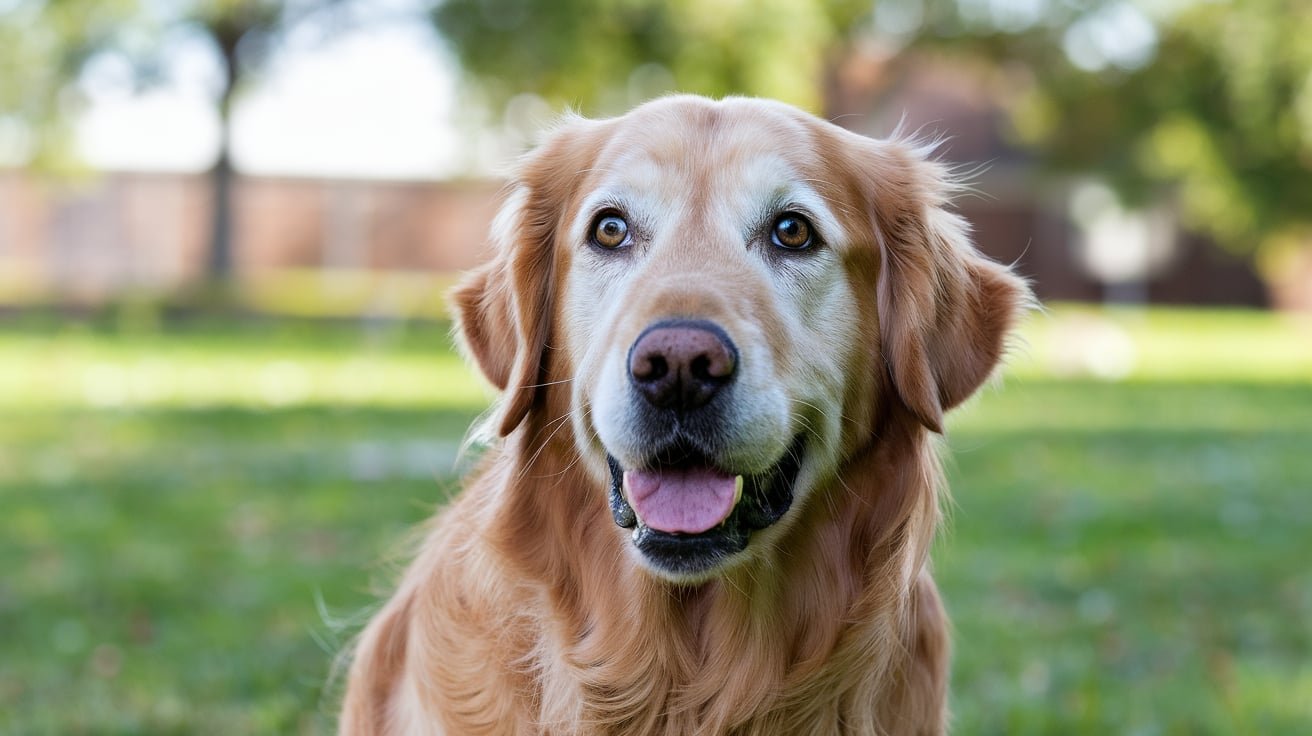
<point>682,364</point>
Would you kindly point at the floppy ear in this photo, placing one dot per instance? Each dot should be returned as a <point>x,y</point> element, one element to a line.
<point>504,308</point>
<point>944,309</point>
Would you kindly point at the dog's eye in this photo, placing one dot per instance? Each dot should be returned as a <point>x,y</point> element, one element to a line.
<point>791,231</point>
<point>610,231</point>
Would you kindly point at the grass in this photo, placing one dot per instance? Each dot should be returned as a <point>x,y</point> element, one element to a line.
<point>194,518</point>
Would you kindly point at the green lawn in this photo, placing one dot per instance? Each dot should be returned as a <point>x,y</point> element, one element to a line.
<point>193,520</point>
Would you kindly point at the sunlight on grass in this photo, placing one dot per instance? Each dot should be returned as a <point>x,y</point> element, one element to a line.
<point>110,371</point>
<point>1164,344</point>
<point>84,368</point>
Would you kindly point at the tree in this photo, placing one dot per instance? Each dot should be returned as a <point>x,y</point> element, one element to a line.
<point>43,46</point>
<point>1206,102</point>
<point>46,44</point>
<point>231,24</point>
<point>601,55</point>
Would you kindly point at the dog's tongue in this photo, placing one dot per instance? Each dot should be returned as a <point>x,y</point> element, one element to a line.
<point>687,501</point>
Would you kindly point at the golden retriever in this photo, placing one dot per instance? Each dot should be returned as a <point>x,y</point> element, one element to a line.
<point>726,332</point>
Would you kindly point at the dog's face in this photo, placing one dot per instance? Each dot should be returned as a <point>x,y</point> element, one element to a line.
<point>735,292</point>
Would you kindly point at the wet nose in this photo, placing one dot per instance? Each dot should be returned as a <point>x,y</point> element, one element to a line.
<point>682,364</point>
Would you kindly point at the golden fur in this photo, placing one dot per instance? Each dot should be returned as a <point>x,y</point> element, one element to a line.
<point>525,611</point>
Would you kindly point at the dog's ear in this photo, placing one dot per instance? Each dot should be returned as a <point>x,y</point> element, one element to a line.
<point>504,308</point>
<point>944,309</point>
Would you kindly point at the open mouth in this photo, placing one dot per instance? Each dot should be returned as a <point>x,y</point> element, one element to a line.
<point>689,515</point>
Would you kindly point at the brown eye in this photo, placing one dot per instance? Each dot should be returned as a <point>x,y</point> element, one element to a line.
<point>610,231</point>
<point>791,231</point>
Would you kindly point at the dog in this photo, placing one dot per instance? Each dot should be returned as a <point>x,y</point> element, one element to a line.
<point>726,333</point>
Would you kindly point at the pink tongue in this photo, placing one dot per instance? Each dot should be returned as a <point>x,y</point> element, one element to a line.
<point>688,501</point>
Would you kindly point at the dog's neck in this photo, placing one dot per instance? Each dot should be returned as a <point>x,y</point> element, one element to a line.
<point>846,563</point>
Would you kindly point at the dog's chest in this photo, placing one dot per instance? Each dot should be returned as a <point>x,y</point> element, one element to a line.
<point>739,693</point>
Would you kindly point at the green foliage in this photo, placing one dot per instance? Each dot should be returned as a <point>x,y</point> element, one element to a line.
<point>601,56</point>
<point>1222,109</point>
<point>1122,557</point>
<point>1208,103</point>
<point>43,45</point>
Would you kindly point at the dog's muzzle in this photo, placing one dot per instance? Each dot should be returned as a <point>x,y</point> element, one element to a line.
<point>680,540</point>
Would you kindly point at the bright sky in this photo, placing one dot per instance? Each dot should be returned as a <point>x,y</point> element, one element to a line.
<point>377,103</point>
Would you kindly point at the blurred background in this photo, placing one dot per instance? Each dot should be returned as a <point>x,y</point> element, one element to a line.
<point>228,392</point>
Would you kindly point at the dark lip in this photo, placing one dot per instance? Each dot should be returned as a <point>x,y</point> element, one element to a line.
<point>766,498</point>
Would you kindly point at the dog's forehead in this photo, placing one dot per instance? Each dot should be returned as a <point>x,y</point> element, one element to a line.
<point>734,155</point>
<point>702,132</point>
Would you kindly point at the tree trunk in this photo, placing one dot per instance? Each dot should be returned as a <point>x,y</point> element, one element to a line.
<point>219,263</point>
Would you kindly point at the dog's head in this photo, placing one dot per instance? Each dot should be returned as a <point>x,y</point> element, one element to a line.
<point>736,296</point>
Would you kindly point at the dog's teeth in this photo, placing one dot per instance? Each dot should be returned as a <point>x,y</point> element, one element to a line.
<point>635,533</point>
<point>737,489</point>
